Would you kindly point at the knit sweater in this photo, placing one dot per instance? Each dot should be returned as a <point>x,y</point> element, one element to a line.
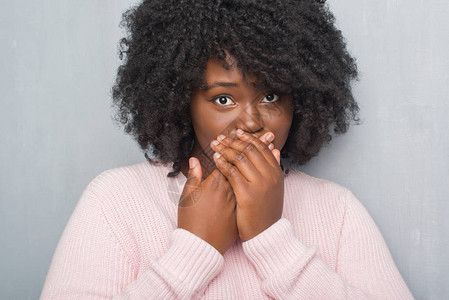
<point>122,242</point>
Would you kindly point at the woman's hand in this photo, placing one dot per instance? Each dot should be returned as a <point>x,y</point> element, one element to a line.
<point>207,209</point>
<point>257,180</point>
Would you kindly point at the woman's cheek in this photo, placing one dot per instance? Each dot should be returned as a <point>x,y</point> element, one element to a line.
<point>282,134</point>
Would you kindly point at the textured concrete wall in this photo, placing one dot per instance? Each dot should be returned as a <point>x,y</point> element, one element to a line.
<point>58,61</point>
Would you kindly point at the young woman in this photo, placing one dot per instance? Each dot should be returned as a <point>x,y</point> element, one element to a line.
<point>221,94</point>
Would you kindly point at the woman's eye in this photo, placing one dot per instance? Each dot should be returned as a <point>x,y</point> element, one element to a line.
<point>272,97</point>
<point>223,100</point>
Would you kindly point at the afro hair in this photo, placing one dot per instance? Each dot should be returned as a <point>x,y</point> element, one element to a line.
<point>292,44</point>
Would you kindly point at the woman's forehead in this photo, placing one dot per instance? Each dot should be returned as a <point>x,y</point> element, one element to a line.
<point>226,73</point>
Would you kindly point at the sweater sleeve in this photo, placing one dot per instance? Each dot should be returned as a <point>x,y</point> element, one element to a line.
<point>89,263</point>
<point>365,269</point>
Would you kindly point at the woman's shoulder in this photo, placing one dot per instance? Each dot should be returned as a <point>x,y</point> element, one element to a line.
<point>131,179</point>
<point>305,192</point>
<point>305,183</point>
<point>316,207</point>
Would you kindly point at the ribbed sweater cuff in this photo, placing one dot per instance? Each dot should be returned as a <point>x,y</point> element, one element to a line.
<point>276,249</point>
<point>191,260</point>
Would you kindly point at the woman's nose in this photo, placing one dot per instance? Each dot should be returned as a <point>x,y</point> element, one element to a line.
<point>250,119</point>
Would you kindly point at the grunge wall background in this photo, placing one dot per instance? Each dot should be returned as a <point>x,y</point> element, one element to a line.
<point>57,65</point>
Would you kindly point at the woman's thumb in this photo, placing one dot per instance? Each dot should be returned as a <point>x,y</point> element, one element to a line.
<point>277,155</point>
<point>195,173</point>
<point>191,189</point>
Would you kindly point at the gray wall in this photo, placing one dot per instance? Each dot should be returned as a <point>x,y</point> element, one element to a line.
<point>57,64</point>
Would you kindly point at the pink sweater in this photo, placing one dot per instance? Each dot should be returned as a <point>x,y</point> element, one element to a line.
<point>122,242</point>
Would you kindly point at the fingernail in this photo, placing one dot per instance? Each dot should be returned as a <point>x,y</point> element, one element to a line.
<point>217,155</point>
<point>239,131</point>
<point>271,146</point>
<point>221,137</point>
<point>192,163</point>
<point>215,143</point>
<point>269,137</point>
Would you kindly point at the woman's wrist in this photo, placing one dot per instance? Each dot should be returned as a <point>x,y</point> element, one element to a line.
<point>190,259</point>
<point>276,249</point>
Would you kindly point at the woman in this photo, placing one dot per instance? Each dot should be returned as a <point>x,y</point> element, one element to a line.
<point>226,91</point>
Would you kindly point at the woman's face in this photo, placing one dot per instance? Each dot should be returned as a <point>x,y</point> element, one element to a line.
<point>228,101</point>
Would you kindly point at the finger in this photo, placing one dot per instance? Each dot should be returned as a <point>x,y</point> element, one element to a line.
<point>195,172</point>
<point>263,138</point>
<point>238,159</point>
<point>223,183</point>
<point>235,178</point>
<point>266,138</point>
<point>263,149</point>
<point>277,154</point>
<point>257,151</point>
<point>251,153</point>
<point>216,178</point>
<point>191,191</point>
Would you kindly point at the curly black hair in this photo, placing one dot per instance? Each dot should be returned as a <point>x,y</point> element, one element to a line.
<point>292,44</point>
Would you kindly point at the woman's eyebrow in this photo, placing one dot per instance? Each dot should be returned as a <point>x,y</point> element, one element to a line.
<point>204,86</point>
